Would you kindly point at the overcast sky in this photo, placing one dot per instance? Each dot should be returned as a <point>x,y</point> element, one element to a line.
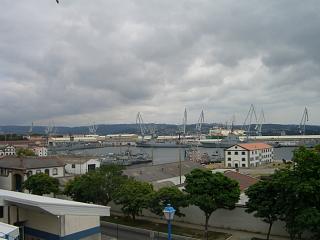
<point>102,61</point>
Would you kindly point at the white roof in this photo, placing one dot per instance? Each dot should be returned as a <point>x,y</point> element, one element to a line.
<point>6,229</point>
<point>54,206</point>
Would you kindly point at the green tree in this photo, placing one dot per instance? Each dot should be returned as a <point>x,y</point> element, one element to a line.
<point>41,183</point>
<point>22,152</point>
<point>96,186</point>
<point>210,191</point>
<point>168,195</point>
<point>134,196</point>
<point>264,202</point>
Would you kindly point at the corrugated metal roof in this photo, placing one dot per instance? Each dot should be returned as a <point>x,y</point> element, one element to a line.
<point>54,206</point>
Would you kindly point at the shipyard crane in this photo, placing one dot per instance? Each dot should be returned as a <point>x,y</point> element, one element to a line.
<point>185,121</point>
<point>304,119</point>
<point>93,129</point>
<point>30,129</point>
<point>140,123</point>
<point>260,122</point>
<point>248,121</point>
<point>200,122</point>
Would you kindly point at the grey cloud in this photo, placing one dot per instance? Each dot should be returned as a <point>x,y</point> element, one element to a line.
<point>106,60</point>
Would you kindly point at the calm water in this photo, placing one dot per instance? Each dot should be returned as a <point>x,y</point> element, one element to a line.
<point>167,155</point>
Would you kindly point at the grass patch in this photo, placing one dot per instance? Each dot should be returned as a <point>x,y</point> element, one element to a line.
<point>161,227</point>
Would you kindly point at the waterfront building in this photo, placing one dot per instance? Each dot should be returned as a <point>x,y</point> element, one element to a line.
<point>15,170</point>
<point>7,150</point>
<point>40,217</point>
<point>248,155</point>
<point>40,151</point>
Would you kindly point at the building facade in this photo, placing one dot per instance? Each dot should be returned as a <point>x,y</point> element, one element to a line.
<point>81,166</point>
<point>7,150</point>
<point>15,170</point>
<point>248,155</point>
<point>40,151</point>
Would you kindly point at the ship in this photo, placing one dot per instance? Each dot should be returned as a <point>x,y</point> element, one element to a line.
<point>226,142</point>
<point>126,158</point>
<point>161,144</point>
<point>72,146</point>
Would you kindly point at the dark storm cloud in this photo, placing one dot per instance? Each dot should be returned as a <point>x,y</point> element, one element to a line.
<point>103,61</point>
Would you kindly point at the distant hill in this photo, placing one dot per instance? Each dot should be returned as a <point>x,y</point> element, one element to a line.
<point>161,129</point>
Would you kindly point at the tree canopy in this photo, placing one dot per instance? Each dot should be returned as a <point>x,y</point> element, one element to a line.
<point>168,195</point>
<point>133,196</point>
<point>96,186</point>
<point>210,191</point>
<point>263,201</point>
<point>22,152</point>
<point>41,183</point>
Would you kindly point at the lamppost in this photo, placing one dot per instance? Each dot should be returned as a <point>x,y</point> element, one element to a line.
<point>168,212</point>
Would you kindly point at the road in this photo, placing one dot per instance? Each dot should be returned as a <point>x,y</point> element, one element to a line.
<point>122,232</point>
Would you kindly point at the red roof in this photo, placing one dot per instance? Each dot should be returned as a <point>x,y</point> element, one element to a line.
<point>254,146</point>
<point>244,181</point>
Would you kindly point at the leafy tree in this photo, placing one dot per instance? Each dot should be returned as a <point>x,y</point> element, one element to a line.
<point>210,191</point>
<point>168,195</point>
<point>133,196</point>
<point>41,183</point>
<point>22,152</point>
<point>96,186</point>
<point>264,202</point>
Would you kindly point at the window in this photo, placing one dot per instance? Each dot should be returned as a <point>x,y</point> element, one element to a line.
<point>91,167</point>
<point>29,173</point>
<point>38,171</point>
<point>235,147</point>
<point>229,164</point>
<point>73,166</point>
<point>229,153</point>
<point>243,165</point>
<point>243,159</point>
<point>243,153</point>
<point>235,153</point>
<point>229,159</point>
<point>55,171</point>
<point>46,171</point>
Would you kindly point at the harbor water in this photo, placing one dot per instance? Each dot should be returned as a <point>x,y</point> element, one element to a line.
<point>167,155</point>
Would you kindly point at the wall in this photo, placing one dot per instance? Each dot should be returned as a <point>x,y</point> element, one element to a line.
<point>60,171</point>
<point>236,219</point>
<point>79,223</point>
<point>81,168</point>
<point>6,182</point>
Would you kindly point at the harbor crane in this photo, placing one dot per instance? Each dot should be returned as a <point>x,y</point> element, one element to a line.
<point>200,122</point>
<point>249,119</point>
<point>304,120</point>
<point>93,129</point>
<point>140,123</point>
<point>30,129</point>
<point>184,122</point>
<point>260,122</point>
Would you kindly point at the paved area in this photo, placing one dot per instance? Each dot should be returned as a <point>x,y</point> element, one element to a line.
<point>162,171</point>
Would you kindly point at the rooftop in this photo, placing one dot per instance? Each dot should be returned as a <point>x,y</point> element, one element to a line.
<point>254,146</point>
<point>24,163</point>
<point>53,206</point>
<point>244,181</point>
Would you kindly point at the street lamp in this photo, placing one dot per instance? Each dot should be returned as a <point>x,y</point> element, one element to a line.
<point>168,212</point>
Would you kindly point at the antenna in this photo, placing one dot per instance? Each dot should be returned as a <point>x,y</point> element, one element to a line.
<point>304,119</point>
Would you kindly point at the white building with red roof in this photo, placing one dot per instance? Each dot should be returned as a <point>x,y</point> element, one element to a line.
<point>248,155</point>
